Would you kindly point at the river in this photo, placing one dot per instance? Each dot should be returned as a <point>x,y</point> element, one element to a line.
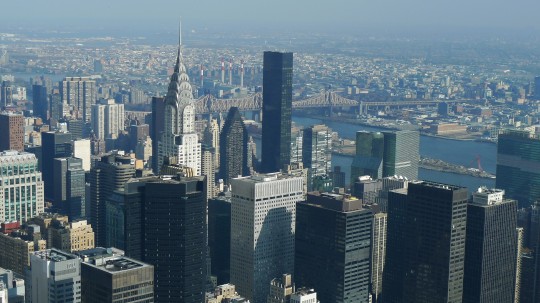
<point>453,151</point>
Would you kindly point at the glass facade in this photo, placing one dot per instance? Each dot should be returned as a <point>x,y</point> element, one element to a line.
<point>277,109</point>
<point>518,166</point>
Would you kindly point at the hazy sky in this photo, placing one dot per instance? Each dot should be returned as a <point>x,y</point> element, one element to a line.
<point>246,15</point>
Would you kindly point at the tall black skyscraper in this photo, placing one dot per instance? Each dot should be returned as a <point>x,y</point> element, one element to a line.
<point>54,145</point>
<point>69,187</point>
<point>432,246</point>
<point>537,87</point>
<point>491,246</point>
<point>175,238</point>
<point>219,237</point>
<point>334,257</point>
<point>40,101</point>
<point>156,128</point>
<point>233,147</point>
<point>277,107</point>
<point>107,175</point>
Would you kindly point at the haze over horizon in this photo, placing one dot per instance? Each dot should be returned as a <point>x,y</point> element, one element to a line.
<point>490,17</point>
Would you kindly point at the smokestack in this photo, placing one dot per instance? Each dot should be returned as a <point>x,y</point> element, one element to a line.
<point>242,74</point>
<point>230,72</point>
<point>222,70</point>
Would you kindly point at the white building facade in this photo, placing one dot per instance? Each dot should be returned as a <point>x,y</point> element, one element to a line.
<point>263,215</point>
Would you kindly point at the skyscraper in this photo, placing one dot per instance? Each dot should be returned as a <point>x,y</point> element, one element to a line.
<point>401,154</point>
<point>208,169</point>
<point>21,189</point>
<point>175,238</point>
<point>277,109</point>
<point>432,246</point>
<point>40,101</point>
<point>334,257</point>
<point>219,237</point>
<point>156,128</point>
<point>54,145</point>
<point>317,152</point>
<point>107,119</point>
<point>12,134</point>
<point>211,138</point>
<point>107,175</point>
<point>378,253</point>
<point>491,247</point>
<point>233,144</point>
<point>80,94</point>
<point>55,277</point>
<point>368,159</point>
<point>69,187</point>
<point>179,138</point>
<point>263,212</point>
<point>518,166</point>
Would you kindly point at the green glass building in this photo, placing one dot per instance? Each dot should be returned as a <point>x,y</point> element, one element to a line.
<point>518,166</point>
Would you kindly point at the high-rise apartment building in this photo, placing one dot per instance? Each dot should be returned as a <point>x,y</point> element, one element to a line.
<point>334,257</point>
<point>317,152</point>
<point>54,145</point>
<point>108,277</point>
<point>175,238</point>
<point>430,248</point>
<point>368,160</point>
<point>179,138</point>
<point>233,145</point>
<point>277,110</point>
<point>107,119</point>
<point>490,248</point>
<point>17,245</point>
<point>80,94</point>
<point>82,150</point>
<point>107,175</point>
<point>21,187</point>
<point>208,169</point>
<point>12,134</point>
<point>518,166</point>
<point>263,216</point>
<point>55,277</point>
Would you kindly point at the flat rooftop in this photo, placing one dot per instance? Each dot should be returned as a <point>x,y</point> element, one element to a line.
<point>54,255</point>
<point>115,264</point>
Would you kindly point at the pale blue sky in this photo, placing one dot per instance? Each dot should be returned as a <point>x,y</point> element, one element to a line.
<point>274,14</point>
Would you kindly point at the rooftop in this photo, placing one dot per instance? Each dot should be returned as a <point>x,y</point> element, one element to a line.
<point>54,255</point>
<point>115,264</point>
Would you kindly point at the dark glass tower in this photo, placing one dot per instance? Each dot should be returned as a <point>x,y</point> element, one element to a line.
<point>491,246</point>
<point>219,237</point>
<point>156,128</point>
<point>518,166</point>
<point>40,101</point>
<point>175,238</point>
<point>433,250</point>
<point>107,175</point>
<point>69,187</point>
<point>334,257</point>
<point>277,107</point>
<point>233,147</point>
<point>53,145</point>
